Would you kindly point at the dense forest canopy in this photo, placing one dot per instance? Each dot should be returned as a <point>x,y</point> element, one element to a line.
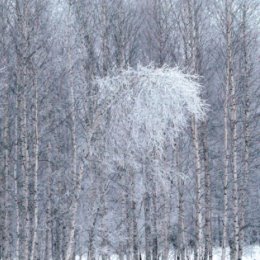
<point>129,129</point>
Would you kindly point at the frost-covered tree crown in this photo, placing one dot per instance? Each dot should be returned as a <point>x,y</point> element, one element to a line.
<point>147,100</point>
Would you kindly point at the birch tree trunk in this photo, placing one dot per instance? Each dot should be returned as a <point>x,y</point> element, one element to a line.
<point>233,119</point>
<point>199,224</point>
<point>74,208</point>
<point>195,68</point>
<point>208,213</point>
<point>166,225</point>
<point>104,43</point>
<point>25,170</point>
<point>134,220</point>
<point>6,249</point>
<point>16,185</point>
<point>147,213</point>
<point>181,224</point>
<point>127,213</point>
<point>22,15</point>
<point>76,179</point>
<point>34,251</point>
<point>226,157</point>
<point>76,176</point>
<point>48,239</point>
<point>234,169</point>
<point>245,82</point>
<point>154,221</point>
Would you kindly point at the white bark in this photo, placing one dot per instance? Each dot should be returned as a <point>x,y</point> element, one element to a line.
<point>246,76</point>
<point>16,156</point>
<point>232,89</point>
<point>154,220</point>
<point>34,251</point>
<point>199,223</point>
<point>127,215</point>
<point>26,193</point>
<point>195,68</point>
<point>7,249</point>
<point>208,214</point>
<point>104,44</point>
<point>22,81</point>
<point>74,208</point>
<point>147,212</point>
<point>226,148</point>
<point>234,169</point>
<point>181,223</point>
<point>48,240</point>
<point>133,215</point>
<point>76,175</point>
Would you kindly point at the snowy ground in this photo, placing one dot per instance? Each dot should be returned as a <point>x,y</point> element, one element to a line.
<point>250,253</point>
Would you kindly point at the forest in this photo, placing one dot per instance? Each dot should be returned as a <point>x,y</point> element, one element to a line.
<point>129,130</point>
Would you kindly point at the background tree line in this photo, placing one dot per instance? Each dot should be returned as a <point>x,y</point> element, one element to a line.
<point>70,183</point>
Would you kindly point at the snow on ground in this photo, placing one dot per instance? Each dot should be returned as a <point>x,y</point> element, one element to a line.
<point>250,253</point>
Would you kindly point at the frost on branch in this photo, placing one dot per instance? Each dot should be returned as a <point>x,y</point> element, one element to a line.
<point>148,103</point>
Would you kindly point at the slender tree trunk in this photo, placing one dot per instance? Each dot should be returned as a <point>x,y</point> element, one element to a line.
<point>181,225</point>
<point>22,15</point>
<point>128,222</point>
<point>91,248</point>
<point>134,220</point>
<point>26,192</point>
<point>34,251</point>
<point>76,176</point>
<point>226,106</point>
<point>225,176</point>
<point>246,75</point>
<point>208,213</point>
<point>7,249</point>
<point>48,240</point>
<point>195,68</point>
<point>147,214</point>
<point>166,225</point>
<point>69,251</point>
<point>199,224</point>
<point>232,89</point>
<point>235,173</point>
<point>154,221</point>
<point>91,251</point>
<point>16,185</point>
<point>103,222</point>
